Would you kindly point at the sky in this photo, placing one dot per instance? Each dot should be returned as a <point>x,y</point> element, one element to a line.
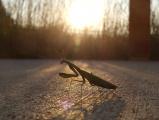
<point>42,11</point>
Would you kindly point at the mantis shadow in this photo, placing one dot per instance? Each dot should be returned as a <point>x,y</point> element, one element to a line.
<point>110,109</point>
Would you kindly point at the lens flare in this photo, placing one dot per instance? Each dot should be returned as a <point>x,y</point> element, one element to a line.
<point>65,104</point>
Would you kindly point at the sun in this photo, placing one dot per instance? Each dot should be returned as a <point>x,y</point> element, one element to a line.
<point>85,13</point>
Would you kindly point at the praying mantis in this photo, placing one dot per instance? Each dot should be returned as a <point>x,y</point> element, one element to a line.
<point>92,79</point>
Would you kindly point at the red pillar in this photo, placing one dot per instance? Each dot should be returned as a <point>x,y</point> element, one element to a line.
<point>139,29</point>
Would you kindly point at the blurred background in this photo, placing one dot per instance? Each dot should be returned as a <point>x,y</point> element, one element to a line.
<point>80,29</point>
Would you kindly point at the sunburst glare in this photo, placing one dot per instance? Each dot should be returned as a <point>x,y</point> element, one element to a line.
<point>85,13</point>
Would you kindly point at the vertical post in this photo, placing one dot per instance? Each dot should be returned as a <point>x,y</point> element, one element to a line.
<point>139,30</point>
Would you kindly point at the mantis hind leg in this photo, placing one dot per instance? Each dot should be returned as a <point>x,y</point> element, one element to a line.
<point>69,89</point>
<point>81,96</point>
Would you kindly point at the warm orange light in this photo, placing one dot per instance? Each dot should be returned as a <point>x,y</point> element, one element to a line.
<point>85,13</point>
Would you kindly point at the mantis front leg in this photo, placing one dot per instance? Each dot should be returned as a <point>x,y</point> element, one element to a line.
<point>66,75</point>
<point>76,71</point>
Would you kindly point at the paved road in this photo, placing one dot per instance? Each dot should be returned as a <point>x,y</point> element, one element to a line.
<point>32,90</point>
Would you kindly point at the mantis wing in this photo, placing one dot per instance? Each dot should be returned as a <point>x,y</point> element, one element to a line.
<point>95,80</point>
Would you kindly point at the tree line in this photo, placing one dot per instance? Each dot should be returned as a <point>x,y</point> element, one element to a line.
<point>55,41</point>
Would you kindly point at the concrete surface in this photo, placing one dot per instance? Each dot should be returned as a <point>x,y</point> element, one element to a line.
<point>32,90</point>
